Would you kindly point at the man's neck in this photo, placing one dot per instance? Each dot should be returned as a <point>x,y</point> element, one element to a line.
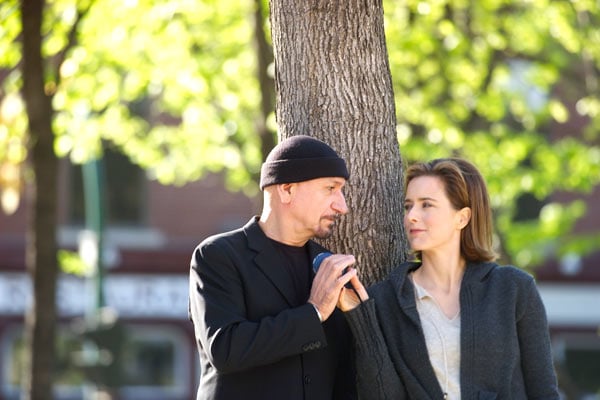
<point>277,229</point>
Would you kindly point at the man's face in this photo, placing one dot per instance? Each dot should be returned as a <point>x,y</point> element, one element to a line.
<point>317,204</point>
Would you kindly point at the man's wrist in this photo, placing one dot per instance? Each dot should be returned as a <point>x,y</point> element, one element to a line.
<point>318,312</point>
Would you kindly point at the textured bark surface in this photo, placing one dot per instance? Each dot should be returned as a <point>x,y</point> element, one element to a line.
<point>41,240</point>
<point>333,82</point>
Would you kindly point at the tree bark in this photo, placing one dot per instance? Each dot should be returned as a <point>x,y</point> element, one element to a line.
<point>41,250</point>
<point>333,82</point>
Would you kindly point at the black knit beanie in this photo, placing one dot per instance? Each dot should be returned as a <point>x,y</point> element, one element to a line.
<point>301,158</point>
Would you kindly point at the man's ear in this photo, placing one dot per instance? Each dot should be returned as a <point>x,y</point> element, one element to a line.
<point>285,192</point>
<point>464,216</point>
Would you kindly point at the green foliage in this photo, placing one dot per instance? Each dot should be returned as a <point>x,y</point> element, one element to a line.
<point>71,263</point>
<point>173,85</point>
<point>507,85</point>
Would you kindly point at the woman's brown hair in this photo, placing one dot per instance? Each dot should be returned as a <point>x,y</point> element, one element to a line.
<point>465,187</point>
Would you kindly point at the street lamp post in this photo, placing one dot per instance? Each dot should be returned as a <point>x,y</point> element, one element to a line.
<point>93,187</point>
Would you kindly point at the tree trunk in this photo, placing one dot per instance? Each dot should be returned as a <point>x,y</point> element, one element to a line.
<point>333,82</point>
<point>41,241</point>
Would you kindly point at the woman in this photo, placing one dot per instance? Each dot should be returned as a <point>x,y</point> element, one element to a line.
<point>454,324</point>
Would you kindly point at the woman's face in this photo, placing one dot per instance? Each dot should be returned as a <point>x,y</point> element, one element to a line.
<point>431,222</point>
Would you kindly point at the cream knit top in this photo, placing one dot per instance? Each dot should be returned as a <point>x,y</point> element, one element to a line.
<point>442,337</point>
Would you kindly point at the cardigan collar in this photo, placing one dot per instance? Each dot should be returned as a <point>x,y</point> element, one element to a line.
<point>475,272</point>
<point>405,291</point>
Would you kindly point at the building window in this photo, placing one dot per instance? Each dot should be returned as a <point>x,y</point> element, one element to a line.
<point>578,365</point>
<point>124,191</point>
<point>155,364</point>
<point>67,380</point>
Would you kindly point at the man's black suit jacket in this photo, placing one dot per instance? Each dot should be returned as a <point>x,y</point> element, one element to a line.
<point>252,343</point>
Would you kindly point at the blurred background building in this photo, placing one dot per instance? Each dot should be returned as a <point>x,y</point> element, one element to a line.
<point>150,233</point>
<point>570,288</point>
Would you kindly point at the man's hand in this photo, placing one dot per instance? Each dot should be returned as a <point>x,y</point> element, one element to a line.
<point>329,281</point>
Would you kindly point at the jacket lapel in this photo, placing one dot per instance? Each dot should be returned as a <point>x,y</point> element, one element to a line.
<point>269,260</point>
<point>405,291</point>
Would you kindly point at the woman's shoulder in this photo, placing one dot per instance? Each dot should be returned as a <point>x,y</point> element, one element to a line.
<point>513,272</point>
<point>497,274</point>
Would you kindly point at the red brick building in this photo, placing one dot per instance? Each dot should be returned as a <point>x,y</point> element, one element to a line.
<point>148,245</point>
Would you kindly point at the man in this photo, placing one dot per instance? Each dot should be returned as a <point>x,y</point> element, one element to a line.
<point>266,327</point>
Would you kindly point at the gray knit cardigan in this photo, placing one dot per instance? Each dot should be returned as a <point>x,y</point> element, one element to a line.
<point>505,344</point>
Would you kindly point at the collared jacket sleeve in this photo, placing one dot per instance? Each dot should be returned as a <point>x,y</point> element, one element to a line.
<point>534,344</point>
<point>231,336</point>
<point>254,341</point>
<point>505,344</point>
<point>376,377</point>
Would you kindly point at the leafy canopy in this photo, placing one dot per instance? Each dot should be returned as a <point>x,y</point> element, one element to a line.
<point>510,85</point>
<point>169,83</point>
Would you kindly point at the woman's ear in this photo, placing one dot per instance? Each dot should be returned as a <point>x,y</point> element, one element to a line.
<point>464,216</point>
